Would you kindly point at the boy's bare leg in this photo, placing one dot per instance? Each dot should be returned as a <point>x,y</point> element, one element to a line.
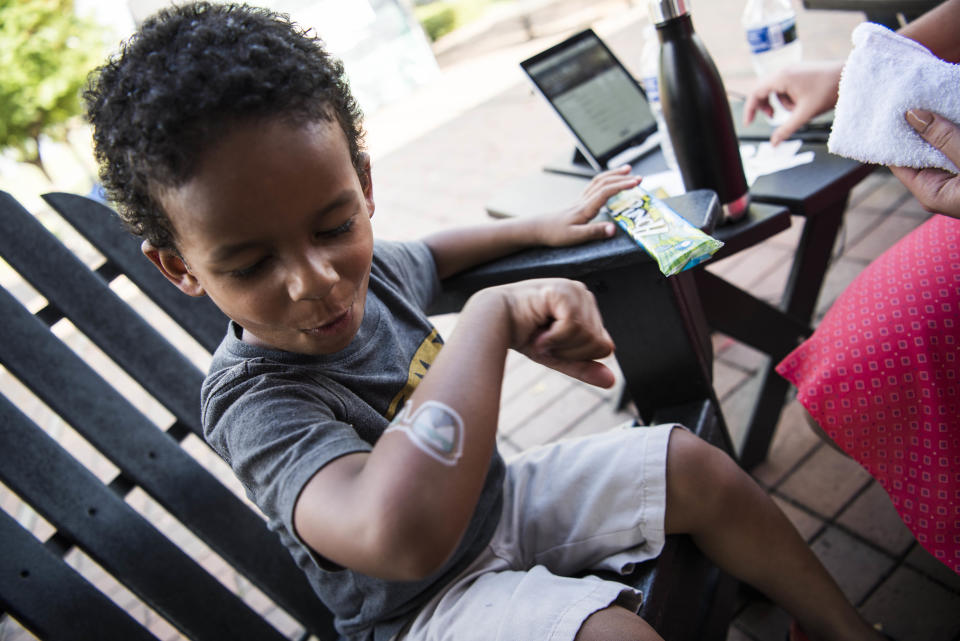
<point>742,530</point>
<point>617,623</point>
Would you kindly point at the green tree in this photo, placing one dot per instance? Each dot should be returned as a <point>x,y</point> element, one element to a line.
<point>46,52</point>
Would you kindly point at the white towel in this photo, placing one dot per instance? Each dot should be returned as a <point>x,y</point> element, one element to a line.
<point>886,75</point>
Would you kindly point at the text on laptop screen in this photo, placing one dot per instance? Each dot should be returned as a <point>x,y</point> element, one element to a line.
<point>594,95</point>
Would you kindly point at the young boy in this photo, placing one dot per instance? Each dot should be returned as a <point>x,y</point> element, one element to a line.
<point>229,141</point>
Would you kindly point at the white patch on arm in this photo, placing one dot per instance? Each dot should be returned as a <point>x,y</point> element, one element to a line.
<point>435,428</point>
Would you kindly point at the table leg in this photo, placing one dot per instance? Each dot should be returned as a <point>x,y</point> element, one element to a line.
<point>809,267</point>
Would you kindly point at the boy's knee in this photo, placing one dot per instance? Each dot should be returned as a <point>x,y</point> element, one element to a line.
<point>618,623</point>
<point>700,477</point>
<point>688,453</point>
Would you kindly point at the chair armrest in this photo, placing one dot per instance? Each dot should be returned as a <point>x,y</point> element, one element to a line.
<point>700,207</point>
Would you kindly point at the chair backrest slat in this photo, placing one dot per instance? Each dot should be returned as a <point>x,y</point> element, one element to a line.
<point>32,577</point>
<point>112,533</point>
<point>101,226</point>
<point>99,313</point>
<point>152,460</point>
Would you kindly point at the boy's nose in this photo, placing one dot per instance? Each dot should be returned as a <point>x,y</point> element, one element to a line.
<point>311,278</point>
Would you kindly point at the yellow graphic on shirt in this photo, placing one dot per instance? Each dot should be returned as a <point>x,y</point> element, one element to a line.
<point>419,365</point>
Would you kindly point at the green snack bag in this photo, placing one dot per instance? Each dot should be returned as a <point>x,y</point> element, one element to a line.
<point>673,242</point>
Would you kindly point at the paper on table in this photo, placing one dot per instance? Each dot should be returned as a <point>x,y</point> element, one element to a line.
<point>758,160</point>
<point>663,184</point>
<point>764,158</point>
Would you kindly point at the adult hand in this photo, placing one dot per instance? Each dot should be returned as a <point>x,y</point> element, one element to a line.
<point>937,190</point>
<point>556,322</point>
<point>572,226</point>
<point>806,90</point>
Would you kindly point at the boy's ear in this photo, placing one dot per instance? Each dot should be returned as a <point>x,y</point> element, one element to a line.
<point>368,188</point>
<point>173,267</point>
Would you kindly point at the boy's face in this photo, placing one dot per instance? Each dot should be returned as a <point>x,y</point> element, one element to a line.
<point>275,228</point>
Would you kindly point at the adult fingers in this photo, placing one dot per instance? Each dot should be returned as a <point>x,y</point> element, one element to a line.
<point>938,131</point>
<point>759,98</point>
<point>937,190</point>
<point>799,116</point>
<point>784,131</point>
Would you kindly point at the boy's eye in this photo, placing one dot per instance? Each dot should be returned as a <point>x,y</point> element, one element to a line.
<point>336,231</point>
<point>249,272</point>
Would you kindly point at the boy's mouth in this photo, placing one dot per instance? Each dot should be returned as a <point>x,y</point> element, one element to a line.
<point>331,327</point>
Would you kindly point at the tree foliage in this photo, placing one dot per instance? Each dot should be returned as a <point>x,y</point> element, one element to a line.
<point>46,52</point>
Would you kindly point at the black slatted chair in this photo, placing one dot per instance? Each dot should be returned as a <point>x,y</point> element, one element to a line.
<point>685,596</point>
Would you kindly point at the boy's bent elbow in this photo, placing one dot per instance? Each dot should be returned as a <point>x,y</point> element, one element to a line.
<point>386,552</point>
<point>414,550</point>
<point>415,564</point>
<point>385,530</point>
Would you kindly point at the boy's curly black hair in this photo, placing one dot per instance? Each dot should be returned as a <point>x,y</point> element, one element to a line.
<point>188,75</point>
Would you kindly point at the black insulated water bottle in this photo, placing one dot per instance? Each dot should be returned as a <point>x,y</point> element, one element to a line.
<point>696,110</point>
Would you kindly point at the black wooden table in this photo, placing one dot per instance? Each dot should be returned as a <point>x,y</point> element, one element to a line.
<point>817,191</point>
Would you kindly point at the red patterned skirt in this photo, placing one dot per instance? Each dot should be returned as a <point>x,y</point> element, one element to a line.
<point>881,375</point>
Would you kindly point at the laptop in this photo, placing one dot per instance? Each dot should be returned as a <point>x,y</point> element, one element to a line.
<point>597,99</point>
<point>606,109</point>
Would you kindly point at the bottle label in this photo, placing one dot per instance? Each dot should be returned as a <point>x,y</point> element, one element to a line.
<point>770,37</point>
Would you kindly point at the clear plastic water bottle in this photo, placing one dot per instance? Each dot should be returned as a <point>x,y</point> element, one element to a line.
<point>771,27</point>
<point>650,69</point>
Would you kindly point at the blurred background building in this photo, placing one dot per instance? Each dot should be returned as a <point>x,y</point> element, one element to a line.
<point>383,47</point>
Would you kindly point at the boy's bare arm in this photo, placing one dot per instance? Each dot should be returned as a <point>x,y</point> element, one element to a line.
<point>462,248</point>
<point>399,511</point>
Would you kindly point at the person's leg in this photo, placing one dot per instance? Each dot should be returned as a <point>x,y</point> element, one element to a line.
<point>742,530</point>
<point>617,623</point>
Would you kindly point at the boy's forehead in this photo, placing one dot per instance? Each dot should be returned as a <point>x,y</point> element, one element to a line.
<point>257,169</point>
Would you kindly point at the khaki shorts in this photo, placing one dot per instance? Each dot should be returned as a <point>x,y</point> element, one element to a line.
<point>592,503</point>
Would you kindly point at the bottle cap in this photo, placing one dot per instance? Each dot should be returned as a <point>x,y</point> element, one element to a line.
<point>663,10</point>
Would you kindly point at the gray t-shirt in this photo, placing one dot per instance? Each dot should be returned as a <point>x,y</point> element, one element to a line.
<point>278,417</point>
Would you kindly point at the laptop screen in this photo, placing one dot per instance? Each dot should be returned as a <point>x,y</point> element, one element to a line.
<point>598,100</point>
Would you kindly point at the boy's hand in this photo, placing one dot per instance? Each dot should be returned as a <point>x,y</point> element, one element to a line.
<point>455,250</point>
<point>572,226</point>
<point>556,323</point>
